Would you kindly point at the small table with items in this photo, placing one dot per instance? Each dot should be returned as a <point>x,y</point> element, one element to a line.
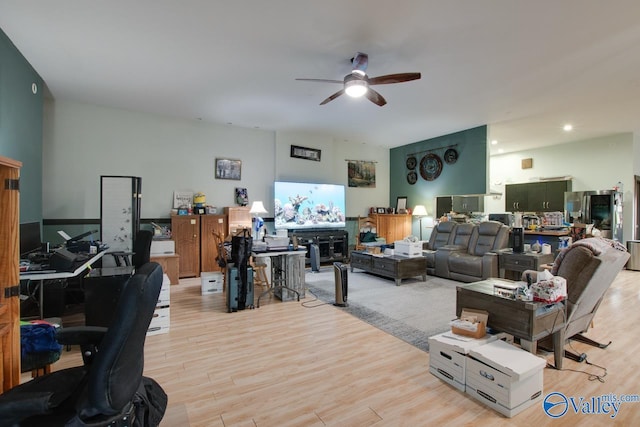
<point>529,321</point>
<point>517,263</point>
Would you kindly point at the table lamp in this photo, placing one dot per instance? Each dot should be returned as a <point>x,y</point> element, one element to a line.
<point>420,211</point>
<point>257,209</point>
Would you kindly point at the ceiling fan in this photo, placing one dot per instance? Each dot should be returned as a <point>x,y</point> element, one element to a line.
<point>357,83</point>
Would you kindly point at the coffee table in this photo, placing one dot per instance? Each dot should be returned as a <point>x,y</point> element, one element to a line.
<point>394,266</point>
<point>528,320</point>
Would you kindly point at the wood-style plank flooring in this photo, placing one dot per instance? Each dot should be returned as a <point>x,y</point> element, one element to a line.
<point>288,365</point>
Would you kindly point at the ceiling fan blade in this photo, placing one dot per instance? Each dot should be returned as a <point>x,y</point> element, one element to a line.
<point>375,97</point>
<point>394,78</point>
<point>322,80</point>
<point>332,97</point>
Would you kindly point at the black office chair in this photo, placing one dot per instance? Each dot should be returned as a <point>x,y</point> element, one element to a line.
<point>109,389</point>
<point>141,251</point>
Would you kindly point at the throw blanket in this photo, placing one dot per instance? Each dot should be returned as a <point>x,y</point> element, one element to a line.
<point>597,245</point>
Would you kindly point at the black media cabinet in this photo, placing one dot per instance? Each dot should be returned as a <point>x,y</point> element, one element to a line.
<point>333,244</point>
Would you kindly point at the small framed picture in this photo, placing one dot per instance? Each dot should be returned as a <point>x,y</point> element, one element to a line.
<point>305,153</point>
<point>381,210</point>
<point>228,169</point>
<point>401,205</point>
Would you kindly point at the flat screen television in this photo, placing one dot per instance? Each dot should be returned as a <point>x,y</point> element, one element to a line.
<point>300,206</point>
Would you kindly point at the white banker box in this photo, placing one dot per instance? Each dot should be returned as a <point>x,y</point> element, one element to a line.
<point>408,249</point>
<point>447,356</point>
<point>504,377</point>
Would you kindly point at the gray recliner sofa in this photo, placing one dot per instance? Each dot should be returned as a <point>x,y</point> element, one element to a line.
<point>477,260</point>
<point>443,234</point>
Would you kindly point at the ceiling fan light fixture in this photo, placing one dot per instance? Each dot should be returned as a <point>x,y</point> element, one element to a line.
<point>355,88</point>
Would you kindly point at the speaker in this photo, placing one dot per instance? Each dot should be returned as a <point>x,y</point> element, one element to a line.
<point>518,239</point>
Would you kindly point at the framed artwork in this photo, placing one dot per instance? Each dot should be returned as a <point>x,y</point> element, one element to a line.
<point>305,153</point>
<point>381,210</point>
<point>228,169</point>
<point>401,205</point>
<point>361,173</point>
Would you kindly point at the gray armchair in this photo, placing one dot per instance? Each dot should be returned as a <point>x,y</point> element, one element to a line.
<point>589,266</point>
<point>479,259</point>
<point>443,234</point>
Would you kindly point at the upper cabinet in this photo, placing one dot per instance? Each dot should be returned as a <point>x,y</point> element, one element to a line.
<point>468,203</point>
<point>545,196</point>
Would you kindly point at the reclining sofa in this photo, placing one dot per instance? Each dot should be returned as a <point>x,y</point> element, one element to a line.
<point>473,255</point>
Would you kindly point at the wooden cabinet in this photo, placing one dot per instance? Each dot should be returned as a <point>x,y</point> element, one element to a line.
<point>545,196</point>
<point>185,231</point>
<point>9,274</point>
<point>210,224</point>
<point>238,218</point>
<point>393,226</point>
<point>468,203</point>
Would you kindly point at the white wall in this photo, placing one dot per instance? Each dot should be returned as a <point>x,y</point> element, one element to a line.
<point>595,164</point>
<point>83,142</point>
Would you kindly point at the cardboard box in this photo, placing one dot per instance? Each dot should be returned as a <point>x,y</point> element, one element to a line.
<point>408,249</point>
<point>481,317</point>
<point>212,282</point>
<point>447,357</point>
<point>504,377</point>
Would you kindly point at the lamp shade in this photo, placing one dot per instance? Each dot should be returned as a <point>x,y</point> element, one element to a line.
<point>257,208</point>
<point>419,210</point>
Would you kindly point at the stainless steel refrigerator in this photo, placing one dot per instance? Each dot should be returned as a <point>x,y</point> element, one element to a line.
<point>601,208</point>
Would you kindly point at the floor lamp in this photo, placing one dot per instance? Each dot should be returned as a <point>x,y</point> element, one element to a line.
<point>420,211</point>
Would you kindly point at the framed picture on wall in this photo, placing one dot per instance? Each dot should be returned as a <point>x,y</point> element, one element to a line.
<point>228,169</point>
<point>305,153</point>
<point>401,205</point>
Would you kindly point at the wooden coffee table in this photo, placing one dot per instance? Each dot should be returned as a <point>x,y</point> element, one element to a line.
<point>394,266</point>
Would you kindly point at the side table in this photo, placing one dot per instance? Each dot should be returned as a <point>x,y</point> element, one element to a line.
<point>516,263</point>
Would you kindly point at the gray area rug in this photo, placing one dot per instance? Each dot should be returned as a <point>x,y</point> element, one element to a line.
<point>413,311</point>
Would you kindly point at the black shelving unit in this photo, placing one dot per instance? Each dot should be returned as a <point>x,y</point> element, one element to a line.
<point>333,245</point>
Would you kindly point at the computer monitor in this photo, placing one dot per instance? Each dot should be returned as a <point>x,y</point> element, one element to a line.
<point>30,238</point>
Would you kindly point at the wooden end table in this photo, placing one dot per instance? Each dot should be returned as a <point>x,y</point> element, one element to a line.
<point>528,320</point>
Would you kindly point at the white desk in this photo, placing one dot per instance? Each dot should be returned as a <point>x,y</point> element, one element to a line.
<point>35,276</point>
<point>287,273</point>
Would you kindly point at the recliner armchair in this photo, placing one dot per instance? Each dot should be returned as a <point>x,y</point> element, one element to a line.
<point>589,266</point>
<point>479,260</point>
<point>443,234</point>
<point>109,389</point>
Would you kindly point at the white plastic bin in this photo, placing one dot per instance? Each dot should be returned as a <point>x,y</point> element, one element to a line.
<point>212,282</point>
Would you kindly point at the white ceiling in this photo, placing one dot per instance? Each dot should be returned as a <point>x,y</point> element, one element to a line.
<point>524,67</point>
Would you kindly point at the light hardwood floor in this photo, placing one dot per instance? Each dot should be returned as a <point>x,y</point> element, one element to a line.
<point>287,365</point>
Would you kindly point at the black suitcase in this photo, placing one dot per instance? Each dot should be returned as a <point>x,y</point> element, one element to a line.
<point>238,295</point>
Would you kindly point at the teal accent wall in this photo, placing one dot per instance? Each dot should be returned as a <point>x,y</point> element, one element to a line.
<point>468,175</point>
<point>21,125</point>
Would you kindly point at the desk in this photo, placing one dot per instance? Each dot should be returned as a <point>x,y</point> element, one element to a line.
<point>287,274</point>
<point>58,275</point>
<point>170,264</point>
<point>528,320</point>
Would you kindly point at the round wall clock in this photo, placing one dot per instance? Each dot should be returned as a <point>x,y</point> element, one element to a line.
<point>411,162</point>
<point>412,177</point>
<point>450,156</point>
<point>430,167</point>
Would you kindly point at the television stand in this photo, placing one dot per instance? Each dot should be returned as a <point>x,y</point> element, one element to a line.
<point>332,244</point>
